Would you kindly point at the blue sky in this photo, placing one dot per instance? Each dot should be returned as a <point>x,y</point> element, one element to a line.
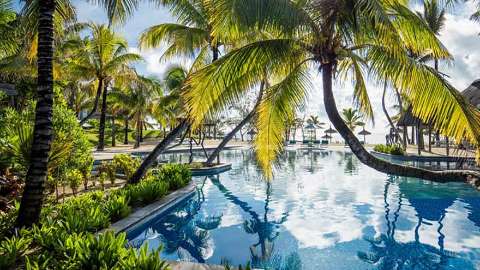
<point>460,36</point>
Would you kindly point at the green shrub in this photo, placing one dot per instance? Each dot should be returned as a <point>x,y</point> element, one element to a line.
<point>106,251</point>
<point>145,260</point>
<point>126,164</point>
<point>110,169</point>
<point>116,207</point>
<point>147,191</point>
<point>12,249</point>
<point>74,179</point>
<point>176,175</point>
<point>86,170</point>
<point>395,149</point>
<point>102,177</point>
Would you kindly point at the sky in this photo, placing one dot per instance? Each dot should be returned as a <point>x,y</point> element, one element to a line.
<point>459,35</point>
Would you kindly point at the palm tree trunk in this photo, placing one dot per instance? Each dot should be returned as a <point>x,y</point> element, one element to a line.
<point>125,138</point>
<point>470,177</point>
<point>232,133</point>
<point>113,132</point>
<point>389,119</point>
<point>32,198</point>
<point>152,157</point>
<point>138,134</point>
<point>103,116</point>
<point>95,103</point>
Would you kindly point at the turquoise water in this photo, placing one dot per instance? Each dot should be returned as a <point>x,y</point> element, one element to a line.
<point>322,210</point>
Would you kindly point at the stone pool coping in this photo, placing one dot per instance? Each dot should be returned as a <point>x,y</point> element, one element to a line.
<point>147,213</point>
<point>422,158</point>
<point>215,169</point>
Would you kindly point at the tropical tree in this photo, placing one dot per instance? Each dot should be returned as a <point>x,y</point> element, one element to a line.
<point>8,43</point>
<point>315,121</point>
<point>32,198</point>
<point>334,37</point>
<point>104,58</point>
<point>139,97</point>
<point>191,37</point>
<point>352,118</point>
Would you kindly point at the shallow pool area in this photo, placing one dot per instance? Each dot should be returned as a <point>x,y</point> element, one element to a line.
<point>322,210</point>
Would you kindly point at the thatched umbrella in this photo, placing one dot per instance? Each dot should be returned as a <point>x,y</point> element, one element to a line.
<point>252,133</point>
<point>330,130</point>
<point>328,137</point>
<point>364,133</point>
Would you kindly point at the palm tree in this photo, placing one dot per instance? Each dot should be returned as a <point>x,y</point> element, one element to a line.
<point>138,97</point>
<point>32,198</point>
<point>8,44</point>
<point>104,57</point>
<point>315,121</point>
<point>192,36</point>
<point>334,37</point>
<point>352,118</point>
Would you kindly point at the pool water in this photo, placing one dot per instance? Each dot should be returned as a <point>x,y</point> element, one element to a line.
<point>322,210</point>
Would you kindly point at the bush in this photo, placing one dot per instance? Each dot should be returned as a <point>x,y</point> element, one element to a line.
<point>147,191</point>
<point>126,164</point>
<point>109,168</point>
<point>74,178</point>
<point>116,207</point>
<point>68,135</point>
<point>176,175</point>
<point>12,249</point>
<point>395,149</point>
<point>102,177</point>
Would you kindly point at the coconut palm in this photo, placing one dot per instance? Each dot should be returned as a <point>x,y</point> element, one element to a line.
<point>352,118</point>
<point>315,121</point>
<point>138,97</point>
<point>32,197</point>
<point>191,37</point>
<point>8,44</point>
<point>103,58</point>
<point>333,37</point>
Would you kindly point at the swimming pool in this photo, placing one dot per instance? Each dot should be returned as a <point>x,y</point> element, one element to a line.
<point>322,210</point>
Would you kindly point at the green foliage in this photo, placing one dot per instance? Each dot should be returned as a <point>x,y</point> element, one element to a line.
<point>110,169</point>
<point>7,218</point>
<point>395,149</point>
<point>176,175</point>
<point>74,178</point>
<point>147,191</point>
<point>70,146</point>
<point>66,238</point>
<point>126,164</point>
<point>116,206</point>
<point>102,177</point>
<point>12,249</point>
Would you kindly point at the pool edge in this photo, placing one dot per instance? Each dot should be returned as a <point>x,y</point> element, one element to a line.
<point>146,213</point>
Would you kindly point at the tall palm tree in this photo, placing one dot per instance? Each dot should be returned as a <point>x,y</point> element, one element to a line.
<point>352,118</point>
<point>8,44</point>
<point>334,37</point>
<point>104,57</point>
<point>32,197</point>
<point>139,98</point>
<point>315,121</point>
<point>192,36</point>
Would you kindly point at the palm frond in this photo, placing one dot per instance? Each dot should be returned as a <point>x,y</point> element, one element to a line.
<point>280,102</point>
<point>215,86</point>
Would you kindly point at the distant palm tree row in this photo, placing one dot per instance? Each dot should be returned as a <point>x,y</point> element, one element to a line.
<point>265,47</point>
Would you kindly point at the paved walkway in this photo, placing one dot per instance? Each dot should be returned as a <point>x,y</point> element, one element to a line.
<point>109,152</point>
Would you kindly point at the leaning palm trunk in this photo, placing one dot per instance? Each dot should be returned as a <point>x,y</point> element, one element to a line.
<point>125,139</point>
<point>95,102</point>
<point>103,118</point>
<point>470,177</point>
<point>389,119</point>
<point>160,148</point>
<point>32,198</point>
<point>232,133</point>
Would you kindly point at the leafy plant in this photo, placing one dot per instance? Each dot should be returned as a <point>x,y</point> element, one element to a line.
<point>176,175</point>
<point>110,169</point>
<point>74,178</point>
<point>12,249</point>
<point>116,207</point>
<point>147,191</point>
<point>394,149</point>
<point>102,177</point>
<point>126,164</point>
